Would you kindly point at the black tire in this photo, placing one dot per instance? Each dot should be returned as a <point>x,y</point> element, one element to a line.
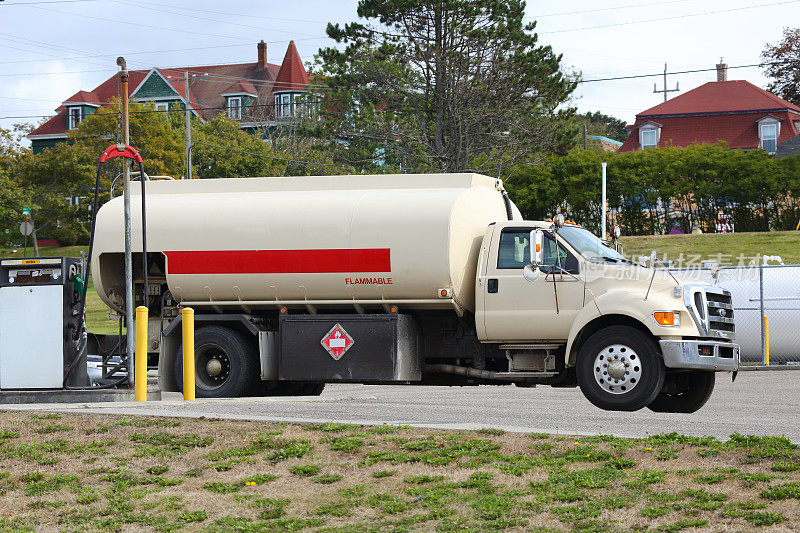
<point>314,389</point>
<point>236,361</point>
<point>684,392</point>
<point>633,357</point>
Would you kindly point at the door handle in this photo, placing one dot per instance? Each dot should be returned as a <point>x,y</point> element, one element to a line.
<point>491,285</point>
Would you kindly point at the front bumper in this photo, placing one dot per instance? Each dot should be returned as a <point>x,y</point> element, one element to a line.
<point>701,355</point>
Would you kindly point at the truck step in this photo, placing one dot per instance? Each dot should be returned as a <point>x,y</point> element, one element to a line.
<point>534,346</point>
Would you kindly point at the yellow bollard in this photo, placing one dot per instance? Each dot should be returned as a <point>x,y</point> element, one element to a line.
<point>140,358</point>
<point>766,340</point>
<point>188,353</point>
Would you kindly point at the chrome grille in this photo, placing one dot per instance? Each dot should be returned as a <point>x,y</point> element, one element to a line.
<point>712,310</point>
<point>720,313</point>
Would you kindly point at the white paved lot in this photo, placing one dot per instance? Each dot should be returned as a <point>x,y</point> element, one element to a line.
<point>757,403</point>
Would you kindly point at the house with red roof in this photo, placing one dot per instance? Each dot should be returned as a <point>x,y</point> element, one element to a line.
<point>255,94</point>
<point>737,112</point>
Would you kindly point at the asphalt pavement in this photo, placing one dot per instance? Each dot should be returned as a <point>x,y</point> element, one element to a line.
<point>759,403</point>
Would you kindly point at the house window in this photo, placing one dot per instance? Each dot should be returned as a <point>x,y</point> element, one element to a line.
<point>162,106</point>
<point>769,137</point>
<point>284,105</point>
<point>649,138</point>
<point>235,107</point>
<point>75,117</point>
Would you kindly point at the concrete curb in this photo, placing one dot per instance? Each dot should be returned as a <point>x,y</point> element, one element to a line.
<point>61,396</point>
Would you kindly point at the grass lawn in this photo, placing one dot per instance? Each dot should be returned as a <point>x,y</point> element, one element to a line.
<point>710,245</point>
<point>96,472</point>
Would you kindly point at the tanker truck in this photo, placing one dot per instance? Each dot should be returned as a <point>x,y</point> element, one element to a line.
<point>429,279</point>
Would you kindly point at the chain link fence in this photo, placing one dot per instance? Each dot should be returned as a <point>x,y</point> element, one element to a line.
<point>766,303</point>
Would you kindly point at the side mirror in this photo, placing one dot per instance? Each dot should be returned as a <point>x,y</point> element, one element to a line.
<point>617,232</point>
<point>559,220</point>
<point>530,273</point>
<point>537,239</point>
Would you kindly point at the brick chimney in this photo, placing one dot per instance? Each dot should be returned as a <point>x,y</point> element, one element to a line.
<point>262,55</point>
<point>722,71</point>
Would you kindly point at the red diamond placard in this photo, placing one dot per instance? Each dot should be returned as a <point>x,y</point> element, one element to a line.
<point>337,341</point>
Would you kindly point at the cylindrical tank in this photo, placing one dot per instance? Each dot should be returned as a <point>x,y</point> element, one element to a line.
<point>319,240</point>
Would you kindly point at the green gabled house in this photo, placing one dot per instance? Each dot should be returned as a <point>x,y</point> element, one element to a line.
<point>258,95</point>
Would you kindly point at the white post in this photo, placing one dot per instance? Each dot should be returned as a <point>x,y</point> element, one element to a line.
<point>605,208</point>
<point>188,127</point>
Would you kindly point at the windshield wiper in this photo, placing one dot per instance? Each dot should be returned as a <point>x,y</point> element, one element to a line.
<point>602,258</point>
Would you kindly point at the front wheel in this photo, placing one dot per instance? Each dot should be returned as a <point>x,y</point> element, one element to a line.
<point>620,369</point>
<point>684,392</point>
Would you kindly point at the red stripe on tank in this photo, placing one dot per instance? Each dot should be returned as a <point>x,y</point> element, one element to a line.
<point>279,261</point>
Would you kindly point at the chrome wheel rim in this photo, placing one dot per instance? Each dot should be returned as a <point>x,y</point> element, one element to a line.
<point>617,369</point>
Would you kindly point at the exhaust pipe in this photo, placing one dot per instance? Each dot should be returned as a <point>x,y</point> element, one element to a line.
<point>468,372</point>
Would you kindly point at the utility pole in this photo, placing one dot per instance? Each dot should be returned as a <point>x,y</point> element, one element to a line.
<point>604,206</point>
<point>188,126</point>
<point>126,196</point>
<point>665,90</point>
<point>584,136</point>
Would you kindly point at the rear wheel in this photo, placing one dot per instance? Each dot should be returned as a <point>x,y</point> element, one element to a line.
<point>620,369</point>
<point>225,363</point>
<point>684,392</point>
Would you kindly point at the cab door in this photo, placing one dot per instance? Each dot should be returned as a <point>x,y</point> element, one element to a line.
<point>480,281</point>
<point>515,309</point>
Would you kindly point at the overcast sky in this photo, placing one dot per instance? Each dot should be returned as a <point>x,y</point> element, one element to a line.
<point>54,48</point>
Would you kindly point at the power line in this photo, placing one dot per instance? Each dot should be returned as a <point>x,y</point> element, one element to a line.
<point>601,9</point>
<point>188,15</point>
<point>150,111</point>
<point>127,54</point>
<point>33,43</point>
<point>202,75</point>
<point>269,156</point>
<point>131,23</point>
<point>675,17</point>
<point>30,99</point>
<point>62,72</point>
<point>594,80</point>
<point>43,2</point>
<point>679,72</point>
<point>248,15</point>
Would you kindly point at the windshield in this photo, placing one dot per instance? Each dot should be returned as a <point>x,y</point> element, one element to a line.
<point>589,245</point>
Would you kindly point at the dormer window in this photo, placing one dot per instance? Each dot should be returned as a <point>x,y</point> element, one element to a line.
<point>769,137</point>
<point>75,117</point>
<point>283,105</point>
<point>769,129</point>
<point>649,135</point>
<point>235,107</point>
<point>289,105</point>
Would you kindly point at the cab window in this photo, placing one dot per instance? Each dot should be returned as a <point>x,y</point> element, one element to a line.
<point>515,248</point>
<point>514,251</point>
<point>562,257</point>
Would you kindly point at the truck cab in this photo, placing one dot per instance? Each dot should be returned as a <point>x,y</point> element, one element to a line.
<point>631,335</point>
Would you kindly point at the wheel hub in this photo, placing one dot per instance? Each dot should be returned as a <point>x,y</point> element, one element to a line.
<point>213,367</point>
<point>617,369</point>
